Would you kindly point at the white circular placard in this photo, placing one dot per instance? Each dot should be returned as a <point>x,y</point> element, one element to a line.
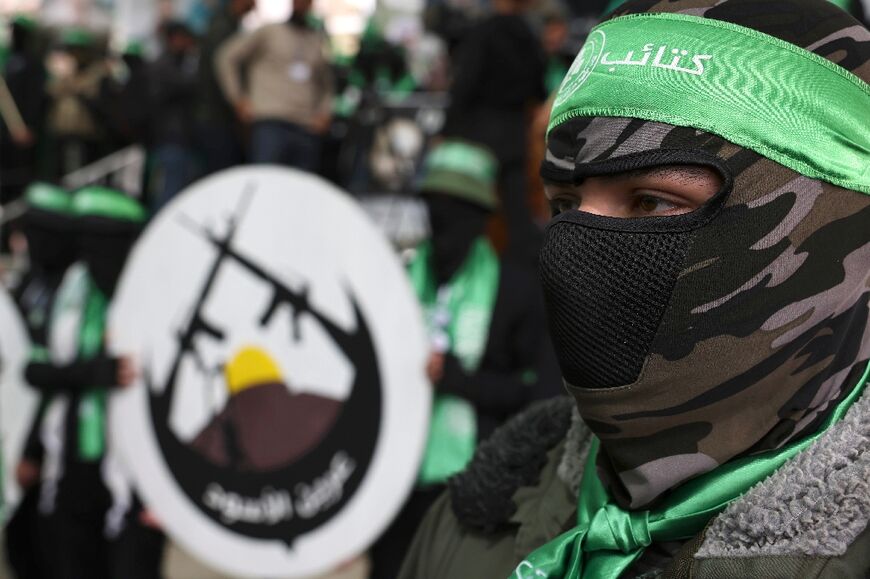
<point>18,402</point>
<point>282,408</point>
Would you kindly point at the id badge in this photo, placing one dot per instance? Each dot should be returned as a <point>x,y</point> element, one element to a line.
<point>300,72</point>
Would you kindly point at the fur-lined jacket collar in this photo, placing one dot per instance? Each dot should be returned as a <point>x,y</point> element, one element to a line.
<point>815,506</point>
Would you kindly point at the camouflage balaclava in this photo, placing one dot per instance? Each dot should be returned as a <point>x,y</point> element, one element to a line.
<point>690,340</point>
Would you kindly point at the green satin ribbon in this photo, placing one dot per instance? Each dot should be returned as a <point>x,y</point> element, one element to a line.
<point>608,539</point>
<point>755,90</point>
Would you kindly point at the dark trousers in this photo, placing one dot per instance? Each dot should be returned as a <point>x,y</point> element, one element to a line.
<point>72,539</point>
<point>282,143</point>
<point>22,539</point>
<point>70,154</point>
<point>389,552</point>
<point>175,167</point>
<point>138,552</point>
<point>18,165</point>
<point>219,146</point>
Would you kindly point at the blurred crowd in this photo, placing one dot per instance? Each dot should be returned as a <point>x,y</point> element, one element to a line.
<point>465,133</point>
<point>201,103</point>
<point>456,134</point>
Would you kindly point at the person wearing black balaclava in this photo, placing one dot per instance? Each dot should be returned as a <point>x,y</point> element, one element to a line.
<point>490,353</point>
<point>127,96</point>
<point>499,70</point>
<point>75,375</point>
<point>48,227</point>
<point>173,84</point>
<point>25,77</point>
<point>218,134</point>
<point>707,281</point>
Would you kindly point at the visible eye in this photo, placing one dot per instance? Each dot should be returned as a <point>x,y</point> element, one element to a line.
<point>562,204</point>
<point>654,205</point>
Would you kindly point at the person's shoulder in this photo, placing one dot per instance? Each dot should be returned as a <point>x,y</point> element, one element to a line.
<point>482,497</point>
<point>490,517</point>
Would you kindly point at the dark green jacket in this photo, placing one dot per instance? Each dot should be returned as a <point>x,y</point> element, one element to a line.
<point>808,520</point>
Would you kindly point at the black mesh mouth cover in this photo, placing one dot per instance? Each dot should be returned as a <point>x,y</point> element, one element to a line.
<point>608,281</point>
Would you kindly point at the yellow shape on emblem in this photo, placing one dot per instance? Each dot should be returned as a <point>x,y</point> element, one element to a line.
<point>250,367</point>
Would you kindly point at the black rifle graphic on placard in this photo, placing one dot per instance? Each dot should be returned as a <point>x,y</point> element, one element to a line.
<point>334,468</point>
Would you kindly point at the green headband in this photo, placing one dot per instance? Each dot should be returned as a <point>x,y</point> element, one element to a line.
<point>24,21</point>
<point>77,37</point>
<point>48,198</point>
<point>463,170</point>
<point>770,96</point>
<point>463,158</point>
<point>134,48</point>
<point>104,202</point>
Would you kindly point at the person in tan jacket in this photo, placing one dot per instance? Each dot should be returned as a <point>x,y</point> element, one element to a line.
<point>288,95</point>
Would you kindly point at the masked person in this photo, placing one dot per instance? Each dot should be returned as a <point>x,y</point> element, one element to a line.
<point>499,71</point>
<point>48,227</point>
<point>173,83</point>
<point>490,352</point>
<point>706,277</point>
<point>128,93</point>
<point>76,374</point>
<point>218,135</point>
<point>25,77</point>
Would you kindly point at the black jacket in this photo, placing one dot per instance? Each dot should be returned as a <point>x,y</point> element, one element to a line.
<point>518,365</point>
<point>499,70</point>
<point>173,91</point>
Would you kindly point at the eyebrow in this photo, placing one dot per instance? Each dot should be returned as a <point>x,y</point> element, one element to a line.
<point>685,174</point>
<point>681,172</point>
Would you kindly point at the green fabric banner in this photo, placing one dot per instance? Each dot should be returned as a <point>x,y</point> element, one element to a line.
<point>770,96</point>
<point>608,539</point>
<point>458,316</point>
<point>92,406</point>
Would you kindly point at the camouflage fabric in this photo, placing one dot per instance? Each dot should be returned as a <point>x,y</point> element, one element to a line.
<point>766,325</point>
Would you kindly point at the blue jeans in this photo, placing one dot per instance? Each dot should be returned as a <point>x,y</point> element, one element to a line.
<point>176,166</point>
<point>284,143</point>
<point>219,145</point>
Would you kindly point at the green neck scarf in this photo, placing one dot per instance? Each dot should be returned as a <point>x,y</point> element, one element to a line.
<point>608,539</point>
<point>78,294</point>
<point>458,315</point>
<point>462,308</point>
<point>92,406</point>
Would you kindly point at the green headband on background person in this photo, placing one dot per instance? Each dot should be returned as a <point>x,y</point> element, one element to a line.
<point>777,99</point>
<point>134,48</point>
<point>463,170</point>
<point>46,197</point>
<point>77,37</point>
<point>109,203</point>
<point>25,21</point>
